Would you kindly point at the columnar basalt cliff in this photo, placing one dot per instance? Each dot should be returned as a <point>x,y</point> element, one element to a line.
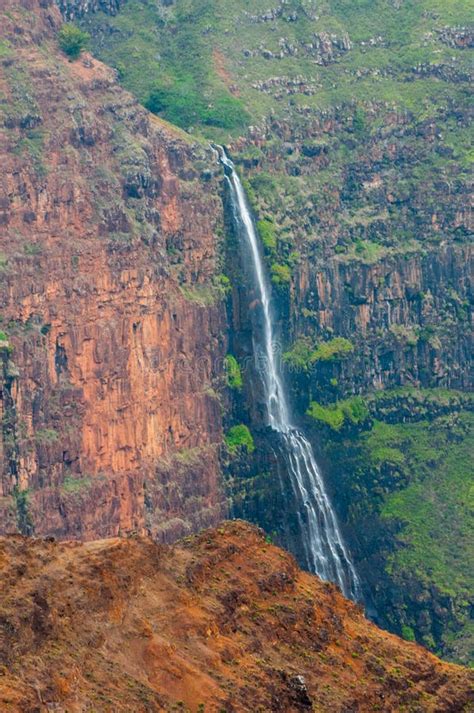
<point>111,314</point>
<point>407,317</point>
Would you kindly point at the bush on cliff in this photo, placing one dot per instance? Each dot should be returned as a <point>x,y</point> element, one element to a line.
<point>239,437</point>
<point>234,373</point>
<point>303,354</point>
<point>72,40</point>
<point>266,231</point>
<point>333,349</point>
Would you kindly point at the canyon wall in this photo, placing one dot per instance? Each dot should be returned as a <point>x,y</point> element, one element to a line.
<point>365,220</point>
<point>111,307</point>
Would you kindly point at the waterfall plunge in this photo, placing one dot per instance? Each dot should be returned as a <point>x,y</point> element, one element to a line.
<point>323,546</point>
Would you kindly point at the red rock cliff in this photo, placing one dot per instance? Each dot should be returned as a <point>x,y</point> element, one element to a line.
<point>110,313</point>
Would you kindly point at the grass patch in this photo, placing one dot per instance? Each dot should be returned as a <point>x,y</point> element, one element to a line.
<point>74,486</point>
<point>203,295</point>
<point>353,411</point>
<point>46,436</point>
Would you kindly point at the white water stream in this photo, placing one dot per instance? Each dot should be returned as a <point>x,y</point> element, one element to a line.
<point>321,538</point>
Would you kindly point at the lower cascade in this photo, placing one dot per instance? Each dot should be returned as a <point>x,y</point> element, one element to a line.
<point>322,543</point>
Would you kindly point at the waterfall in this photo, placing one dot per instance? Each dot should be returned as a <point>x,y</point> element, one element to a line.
<point>321,540</point>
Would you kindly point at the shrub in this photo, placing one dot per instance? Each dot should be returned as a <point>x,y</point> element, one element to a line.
<point>266,231</point>
<point>72,40</point>
<point>408,633</point>
<point>332,416</point>
<point>281,274</point>
<point>352,410</point>
<point>299,356</point>
<point>333,349</point>
<point>234,374</point>
<point>239,437</point>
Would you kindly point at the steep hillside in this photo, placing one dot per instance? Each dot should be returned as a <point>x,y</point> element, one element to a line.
<point>221,622</point>
<point>110,310</point>
<point>350,123</point>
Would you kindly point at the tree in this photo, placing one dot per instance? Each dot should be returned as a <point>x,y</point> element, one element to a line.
<point>72,40</point>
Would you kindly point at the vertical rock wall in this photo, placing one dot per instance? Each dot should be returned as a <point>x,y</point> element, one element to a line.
<point>108,304</point>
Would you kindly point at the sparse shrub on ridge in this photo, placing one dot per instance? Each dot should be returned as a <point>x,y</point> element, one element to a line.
<point>72,40</point>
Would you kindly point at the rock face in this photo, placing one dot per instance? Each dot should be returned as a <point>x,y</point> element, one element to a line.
<point>73,9</point>
<point>223,621</point>
<point>407,318</point>
<point>112,324</point>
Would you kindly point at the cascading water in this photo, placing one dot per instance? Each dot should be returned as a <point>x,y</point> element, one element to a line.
<point>323,547</point>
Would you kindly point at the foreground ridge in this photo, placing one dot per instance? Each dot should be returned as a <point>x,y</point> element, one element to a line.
<point>223,620</point>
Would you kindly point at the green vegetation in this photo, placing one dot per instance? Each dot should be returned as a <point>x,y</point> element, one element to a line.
<point>353,411</point>
<point>239,437</point>
<point>299,356</point>
<point>408,633</point>
<point>435,508</point>
<point>280,274</point>
<point>72,40</point>
<point>5,49</point>
<point>333,349</point>
<point>203,295</point>
<point>303,354</point>
<point>46,436</point>
<point>234,373</point>
<point>20,108</point>
<point>32,146</point>
<point>266,231</point>
<point>200,47</point>
<point>22,504</point>
<point>165,57</point>
<point>183,106</point>
<point>74,486</point>
<point>405,478</point>
<point>325,172</point>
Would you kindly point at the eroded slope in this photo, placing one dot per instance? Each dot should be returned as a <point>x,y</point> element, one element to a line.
<point>223,620</point>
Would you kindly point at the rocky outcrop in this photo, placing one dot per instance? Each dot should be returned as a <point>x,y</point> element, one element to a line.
<point>109,303</point>
<point>324,48</point>
<point>222,622</point>
<point>407,318</point>
<point>458,37</point>
<point>74,9</point>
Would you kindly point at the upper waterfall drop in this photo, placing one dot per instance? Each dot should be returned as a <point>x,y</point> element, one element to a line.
<point>323,546</point>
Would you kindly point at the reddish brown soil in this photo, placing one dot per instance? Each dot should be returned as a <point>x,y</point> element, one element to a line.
<point>223,620</point>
